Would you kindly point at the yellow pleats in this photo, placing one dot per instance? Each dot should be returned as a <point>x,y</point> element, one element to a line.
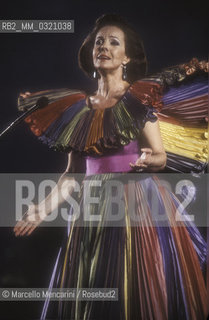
<point>184,141</point>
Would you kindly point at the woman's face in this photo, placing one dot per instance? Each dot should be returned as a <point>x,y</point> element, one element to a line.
<point>109,49</point>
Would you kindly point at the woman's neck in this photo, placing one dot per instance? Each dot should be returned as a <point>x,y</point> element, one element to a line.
<point>111,85</point>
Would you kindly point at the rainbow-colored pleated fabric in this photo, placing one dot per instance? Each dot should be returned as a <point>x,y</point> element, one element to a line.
<point>179,95</point>
<point>156,266</point>
<point>158,269</point>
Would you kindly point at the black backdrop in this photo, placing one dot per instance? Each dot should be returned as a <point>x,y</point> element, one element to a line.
<point>173,32</point>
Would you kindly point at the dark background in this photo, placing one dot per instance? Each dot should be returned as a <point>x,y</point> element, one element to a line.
<point>173,32</point>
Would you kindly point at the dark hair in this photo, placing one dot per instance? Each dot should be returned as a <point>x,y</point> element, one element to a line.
<point>134,48</point>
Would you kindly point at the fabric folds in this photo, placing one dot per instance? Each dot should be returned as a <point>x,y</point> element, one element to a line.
<point>158,262</point>
<point>179,96</point>
<point>155,266</point>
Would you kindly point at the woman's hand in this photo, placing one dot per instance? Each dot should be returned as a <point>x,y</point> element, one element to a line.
<point>149,160</point>
<point>37,213</point>
<point>22,97</point>
<point>143,161</point>
<point>25,95</point>
<point>30,221</point>
<point>153,158</point>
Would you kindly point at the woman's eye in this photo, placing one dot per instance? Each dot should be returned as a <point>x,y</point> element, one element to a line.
<point>99,42</point>
<point>115,43</point>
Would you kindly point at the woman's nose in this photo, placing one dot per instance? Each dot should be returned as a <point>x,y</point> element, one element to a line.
<point>103,46</point>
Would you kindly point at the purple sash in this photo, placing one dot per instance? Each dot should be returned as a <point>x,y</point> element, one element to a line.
<point>116,162</point>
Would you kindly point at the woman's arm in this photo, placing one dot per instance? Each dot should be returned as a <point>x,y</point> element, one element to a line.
<point>65,186</point>
<point>153,156</point>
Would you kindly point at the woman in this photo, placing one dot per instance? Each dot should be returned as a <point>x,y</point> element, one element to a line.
<point>155,268</point>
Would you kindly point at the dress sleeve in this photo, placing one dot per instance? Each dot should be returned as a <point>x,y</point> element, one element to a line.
<point>183,115</point>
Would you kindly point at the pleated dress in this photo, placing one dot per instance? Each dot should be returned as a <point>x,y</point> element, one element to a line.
<point>158,267</point>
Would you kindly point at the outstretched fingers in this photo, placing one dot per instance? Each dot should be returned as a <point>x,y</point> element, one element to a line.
<point>20,226</point>
<point>24,228</point>
<point>28,229</point>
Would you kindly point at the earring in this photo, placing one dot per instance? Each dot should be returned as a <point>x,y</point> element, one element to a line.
<point>124,72</point>
<point>95,74</point>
